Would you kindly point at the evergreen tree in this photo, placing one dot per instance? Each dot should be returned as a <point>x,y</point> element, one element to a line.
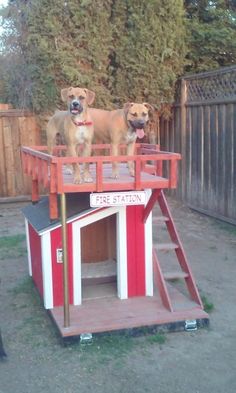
<point>26,56</point>
<point>56,44</point>
<point>211,27</point>
<point>150,51</point>
<point>123,50</point>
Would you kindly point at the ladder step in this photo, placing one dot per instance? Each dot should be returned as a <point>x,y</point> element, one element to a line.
<point>166,246</point>
<point>175,275</point>
<point>160,219</point>
<point>175,244</point>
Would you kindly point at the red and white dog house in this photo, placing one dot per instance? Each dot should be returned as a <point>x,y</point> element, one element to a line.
<point>114,233</point>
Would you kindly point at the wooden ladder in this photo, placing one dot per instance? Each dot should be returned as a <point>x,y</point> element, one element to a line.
<point>184,272</point>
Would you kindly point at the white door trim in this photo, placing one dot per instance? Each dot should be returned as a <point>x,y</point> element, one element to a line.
<point>120,211</point>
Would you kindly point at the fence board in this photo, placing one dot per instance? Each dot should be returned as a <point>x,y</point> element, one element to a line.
<point>17,128</point>
<point>3,184</point>
<point>229,152</point>
<point>17,159</point>
<point>222,158</point>
<point>9,167</point>
<point>187,156</point>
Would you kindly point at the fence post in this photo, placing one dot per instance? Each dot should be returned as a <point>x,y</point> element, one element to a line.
<point>183,119</point>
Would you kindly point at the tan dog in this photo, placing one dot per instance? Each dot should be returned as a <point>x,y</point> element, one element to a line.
<point>121,126</point>
<point>74,126</point>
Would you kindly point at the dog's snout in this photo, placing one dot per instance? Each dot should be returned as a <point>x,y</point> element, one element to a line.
<point>139,123</point>
<point>76,107</point>
<point>76,104</point>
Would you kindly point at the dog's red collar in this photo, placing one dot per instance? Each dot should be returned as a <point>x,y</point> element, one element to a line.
<point>82,123</point>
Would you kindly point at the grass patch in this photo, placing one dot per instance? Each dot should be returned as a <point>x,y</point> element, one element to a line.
<point>12,246</point>
<point>207,305</point>
<point>26,287</point>
<point>230,228</point>
<point>158,338</point>
<point>106,346</point>
<point>33,327</point>
<point>114,346</point>
<point>25,295</point>
<point>11,241</point>
<point>118,344</point>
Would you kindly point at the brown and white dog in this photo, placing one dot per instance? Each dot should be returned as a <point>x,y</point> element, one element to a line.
<point>121,126</point>
<point>74,126</point>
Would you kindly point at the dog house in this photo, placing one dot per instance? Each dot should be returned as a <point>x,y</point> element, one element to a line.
<point>92,257</point>
<point>110,251</point>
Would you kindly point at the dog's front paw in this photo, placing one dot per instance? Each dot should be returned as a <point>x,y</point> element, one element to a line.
<point>115,175</point>
<point>88,178</point>
<point>77,180</point>
<point>131,172</point>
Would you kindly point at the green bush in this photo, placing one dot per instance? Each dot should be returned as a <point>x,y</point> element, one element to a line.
<point>123,50</point>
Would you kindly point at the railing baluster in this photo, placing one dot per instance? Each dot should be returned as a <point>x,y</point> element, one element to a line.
<point>138,174</point>
<point>99,176</point>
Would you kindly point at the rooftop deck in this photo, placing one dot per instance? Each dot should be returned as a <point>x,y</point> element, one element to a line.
<point>50,171</point>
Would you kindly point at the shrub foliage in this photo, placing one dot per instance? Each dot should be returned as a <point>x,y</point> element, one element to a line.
<point>211,34</point>
<point>123,50</point>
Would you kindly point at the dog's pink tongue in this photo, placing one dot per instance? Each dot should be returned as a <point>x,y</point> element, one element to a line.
<point>140,133</point>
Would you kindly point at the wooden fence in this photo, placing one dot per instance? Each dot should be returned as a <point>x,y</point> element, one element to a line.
<point>17,128</point>
<point>203,130</point>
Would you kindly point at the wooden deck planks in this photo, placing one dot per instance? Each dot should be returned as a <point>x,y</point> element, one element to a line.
<point>110,314</point>
<point>124,182</point>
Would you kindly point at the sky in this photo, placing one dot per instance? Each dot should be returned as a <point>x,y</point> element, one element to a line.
<point>3,2</point>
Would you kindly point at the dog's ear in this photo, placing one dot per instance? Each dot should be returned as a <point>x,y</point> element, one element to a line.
<point>127,105</point>
<point>150,107</point>
<point>90,96</point>
<point>64,94</point>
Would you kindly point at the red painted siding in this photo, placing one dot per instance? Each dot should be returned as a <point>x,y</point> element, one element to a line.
<point>57,268</point>
<point>36,259</point>
<point>135,251</point>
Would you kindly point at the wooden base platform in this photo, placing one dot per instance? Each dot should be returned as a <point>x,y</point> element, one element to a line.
<point>108,314</point>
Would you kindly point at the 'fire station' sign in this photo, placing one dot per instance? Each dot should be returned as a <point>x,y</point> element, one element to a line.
<point>117,198</point>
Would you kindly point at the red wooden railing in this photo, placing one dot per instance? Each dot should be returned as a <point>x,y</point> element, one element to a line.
<point>47,170</point>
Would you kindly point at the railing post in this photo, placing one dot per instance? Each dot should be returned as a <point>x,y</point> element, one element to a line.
<point>53,209</point>
<point>173,174</point>
<point>35,191</point>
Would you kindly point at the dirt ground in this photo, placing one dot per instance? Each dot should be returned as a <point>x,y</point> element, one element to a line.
<point>197,362</point>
